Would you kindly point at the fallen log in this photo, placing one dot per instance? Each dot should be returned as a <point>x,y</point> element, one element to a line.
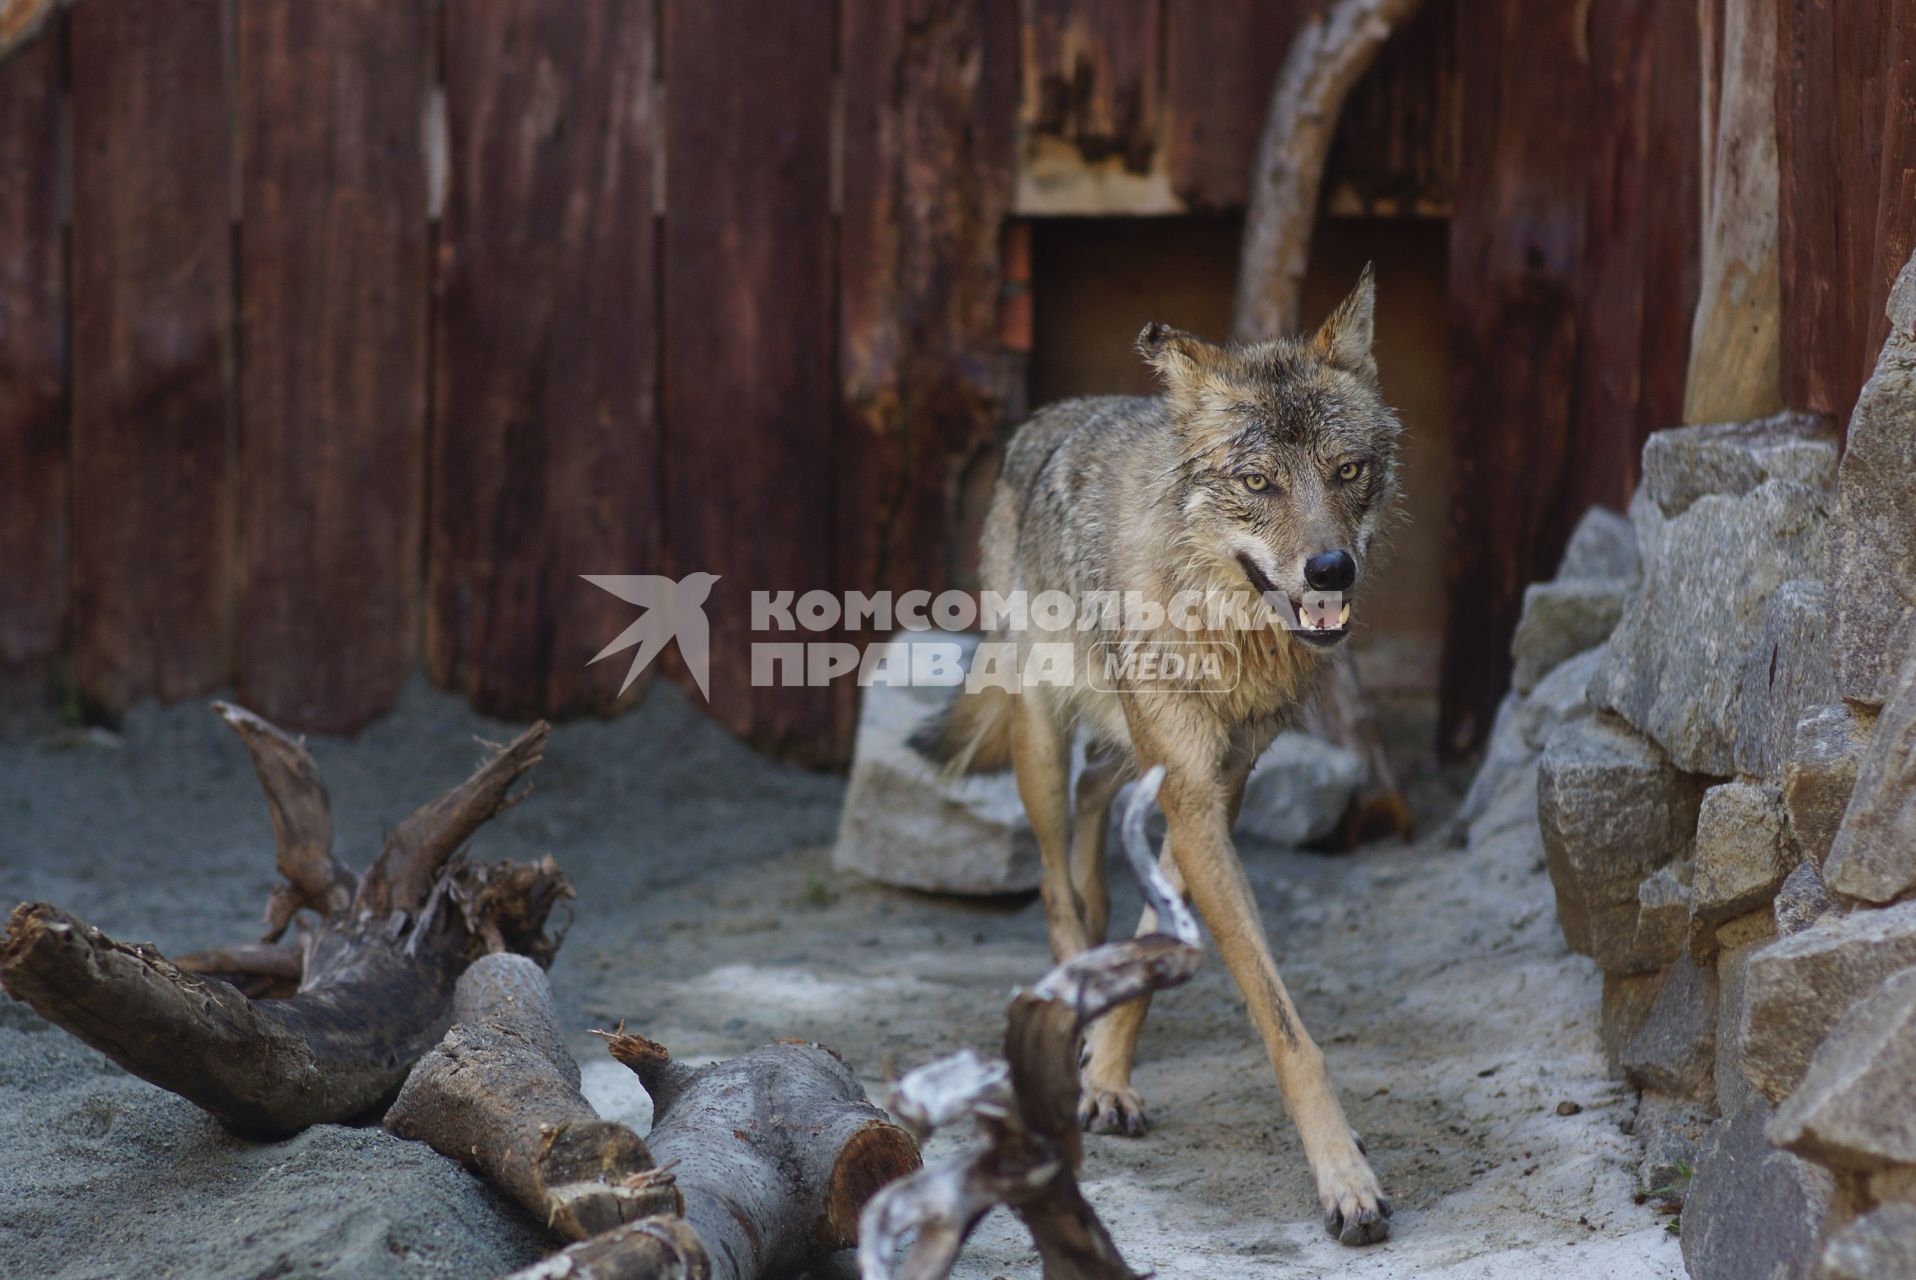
<point>375,969</point>
<point>501,1094</point>
<point>1026,1106</point>
<point>776,1152</point>
<point>651,1249</point>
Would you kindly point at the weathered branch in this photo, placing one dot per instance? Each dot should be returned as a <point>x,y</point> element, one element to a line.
<point>374,981</point>
<point>501,1093</point>
<point>1340,714</point>
<point>1327,57</point>
<point>776,1152</point>
<point>1026,1108</point>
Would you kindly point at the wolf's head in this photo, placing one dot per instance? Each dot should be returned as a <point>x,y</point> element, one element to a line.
<point>1288,457</point>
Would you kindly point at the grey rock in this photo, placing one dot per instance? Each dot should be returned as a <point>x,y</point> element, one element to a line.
<point>1647,522</point>
<point>1801,902</point>
<point>1299,790</point>
<point>1855,1111</point>
<point>1664,902</point>
<point>1674,1049</point>
<point>1873,857</point>
<point>1675,662</point>
<point>1753,1212</point>
<point>1878,1245</point>
<point>1784,674</point>
<point>1560,620</point>
<point>1611,810</point>
<point>1687,463</point>
<point>1798,988</point>
<point>1826,753</point>
<point>1671,1131</point>
<point>904,823</point>
<point>1603,545</point>
<point>1513,808</point>
<point>1872,543</point>
<point>1626,1002</point>
<point>1560,697</point>
<point>1732,999</point>
<point>1742,850</point>
<point>1504,753</point>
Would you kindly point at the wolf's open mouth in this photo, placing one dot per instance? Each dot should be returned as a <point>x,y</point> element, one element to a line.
<point>1322,635</point>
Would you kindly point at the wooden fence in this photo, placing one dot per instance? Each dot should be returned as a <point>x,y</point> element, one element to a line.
<point>338,335</point>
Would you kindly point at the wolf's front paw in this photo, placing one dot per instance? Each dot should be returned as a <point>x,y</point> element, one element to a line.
<point>1112,1111</point>
<point>1355,1210</point>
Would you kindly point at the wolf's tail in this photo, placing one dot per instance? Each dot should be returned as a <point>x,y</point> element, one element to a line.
<point>971,735</point>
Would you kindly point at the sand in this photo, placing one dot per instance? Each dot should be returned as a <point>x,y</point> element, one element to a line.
<point>708,917</point>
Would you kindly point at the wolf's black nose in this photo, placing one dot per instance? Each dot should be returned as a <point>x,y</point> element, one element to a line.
<point>1330,571</point>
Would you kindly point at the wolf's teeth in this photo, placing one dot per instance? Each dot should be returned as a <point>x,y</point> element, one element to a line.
<point>1345,616</point>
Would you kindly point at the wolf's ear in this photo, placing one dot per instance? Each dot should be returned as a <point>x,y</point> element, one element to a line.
<point>1344,340</point>
<point>1179,358</point>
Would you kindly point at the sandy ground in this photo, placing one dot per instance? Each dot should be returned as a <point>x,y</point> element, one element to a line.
<point>1434,977</point>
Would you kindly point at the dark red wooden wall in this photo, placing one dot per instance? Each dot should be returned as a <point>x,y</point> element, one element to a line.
<point>339,337</point>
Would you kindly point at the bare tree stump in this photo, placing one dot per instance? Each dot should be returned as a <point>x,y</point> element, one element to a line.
<point>374,975</point>
<point>776,1152</point>
<point>1026,1107</point>
<point>501,1094</point>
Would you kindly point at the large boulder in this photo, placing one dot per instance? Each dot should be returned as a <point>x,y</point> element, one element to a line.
<point>1797,988</point>
<point>1560,620</point>
<point>1871,567</point>
<point>1785,673</point>
<point>1826,753</point>
<point>1880,1244</point>
<point>1855,1111</point>
<point>1675,662</point>
<point>906,824</point>
<point>1298,790</point>
<point>1753,1212</point>
<point>1742,850</point>
<point>1730,458</point>
<point>1612,810</point>
<point>1523,724</point>
<point>1873,857</point>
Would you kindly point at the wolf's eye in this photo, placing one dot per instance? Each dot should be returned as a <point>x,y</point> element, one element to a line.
<point>1350,471</point>
<point>1256,482</point>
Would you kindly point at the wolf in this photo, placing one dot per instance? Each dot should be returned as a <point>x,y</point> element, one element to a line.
<point>1265,471</point>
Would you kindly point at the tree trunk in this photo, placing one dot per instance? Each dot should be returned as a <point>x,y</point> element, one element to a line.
<point>776,1152</point>
<point>501,1094</point>
<point>375,975</point>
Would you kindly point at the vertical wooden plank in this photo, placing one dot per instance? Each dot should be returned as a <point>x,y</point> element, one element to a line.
<point>1638,281</point>
<point>33,437</point>
<point>333,255</point>
<point>1831,100</point>
<point>152,349</point>
<point>748,368</point>
<point>930,99</point>
<point>1220,62</point>
<point>1517,243</point>
<point>1895,232</point>
<point>1091,76</point>
<point>546,440</point>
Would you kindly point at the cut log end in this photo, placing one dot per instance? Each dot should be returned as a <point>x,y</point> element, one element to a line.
<point>876,1155</point>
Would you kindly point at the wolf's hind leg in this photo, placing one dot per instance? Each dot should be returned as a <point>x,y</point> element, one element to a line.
<point>1041,758</point>
<point>1102,777</point>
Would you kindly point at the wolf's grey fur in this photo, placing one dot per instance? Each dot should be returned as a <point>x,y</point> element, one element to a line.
<point>1253,460</point>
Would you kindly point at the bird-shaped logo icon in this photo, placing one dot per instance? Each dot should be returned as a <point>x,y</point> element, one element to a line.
<point>673,610</point>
